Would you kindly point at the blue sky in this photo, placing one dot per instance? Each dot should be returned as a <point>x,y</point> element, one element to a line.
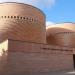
<point>62,11</point>
<point>56,11</point>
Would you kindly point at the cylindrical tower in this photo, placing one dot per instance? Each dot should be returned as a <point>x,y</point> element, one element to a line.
<point>61,34</point>
<point>22,22</point>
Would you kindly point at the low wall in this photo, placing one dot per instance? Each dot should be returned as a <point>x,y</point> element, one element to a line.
<point>35,57</point>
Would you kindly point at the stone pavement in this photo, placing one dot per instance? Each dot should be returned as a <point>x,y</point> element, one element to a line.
<point>47,73</point>
<point>55,73</point>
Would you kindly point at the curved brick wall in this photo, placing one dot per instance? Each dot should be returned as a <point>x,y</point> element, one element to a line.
<point>22,22</point>
<point>61,34</point>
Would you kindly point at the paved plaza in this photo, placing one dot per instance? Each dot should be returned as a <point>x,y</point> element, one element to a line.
<point>71,72</point>
<point>55,73</point>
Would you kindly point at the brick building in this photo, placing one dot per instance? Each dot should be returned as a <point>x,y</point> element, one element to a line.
<point>26,45</point>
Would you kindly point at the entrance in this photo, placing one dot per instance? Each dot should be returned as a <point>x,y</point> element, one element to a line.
<point>74,60</point>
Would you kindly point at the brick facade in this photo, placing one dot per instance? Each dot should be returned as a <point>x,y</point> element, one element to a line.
<point>34,57</point>
<point>22,22</point>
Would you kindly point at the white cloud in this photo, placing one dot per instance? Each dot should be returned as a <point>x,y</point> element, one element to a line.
<point>37,3</point>
<point>48,23</point>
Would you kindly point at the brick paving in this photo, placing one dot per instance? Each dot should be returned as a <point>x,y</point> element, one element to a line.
<point>47,73</point>
<point>55,73</point>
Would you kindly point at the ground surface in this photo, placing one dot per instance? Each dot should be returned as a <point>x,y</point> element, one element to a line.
<point>55,73</point>
<point>47,73</point>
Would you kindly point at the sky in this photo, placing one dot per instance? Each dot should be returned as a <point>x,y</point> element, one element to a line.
<point>56,11</point>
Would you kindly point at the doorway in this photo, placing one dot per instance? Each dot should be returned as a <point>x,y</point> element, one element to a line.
<point>74,60</point>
